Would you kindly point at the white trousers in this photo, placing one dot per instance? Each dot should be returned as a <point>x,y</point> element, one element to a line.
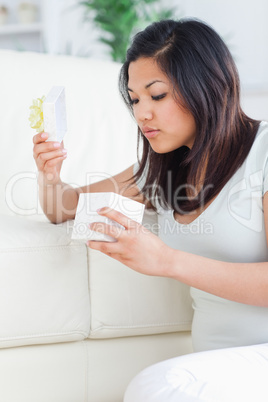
<point>225,375</point>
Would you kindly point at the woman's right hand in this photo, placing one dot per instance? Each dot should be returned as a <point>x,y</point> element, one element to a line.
<point>48,157</point>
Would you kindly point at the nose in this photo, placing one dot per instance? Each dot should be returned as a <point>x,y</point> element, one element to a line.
<point>143,112</point>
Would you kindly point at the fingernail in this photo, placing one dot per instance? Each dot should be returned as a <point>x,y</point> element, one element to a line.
<point>64,151</point>
<point>99,210</point>
<point>43,135</point>
<point>56,144</point>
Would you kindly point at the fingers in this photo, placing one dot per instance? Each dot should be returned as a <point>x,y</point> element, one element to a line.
<point>46,156</point>
<point>118,217</point>
<point>50,159</point>
<point>110,230</point>
<point>40,144</point>
<point>110,249</point>
<point>41,137</point>
<point>54,162</point>
<point>47,153</point>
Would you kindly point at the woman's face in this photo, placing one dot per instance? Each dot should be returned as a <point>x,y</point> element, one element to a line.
<point>165,124</point>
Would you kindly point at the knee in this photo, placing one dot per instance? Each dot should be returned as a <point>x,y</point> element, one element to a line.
<point>165,381</point>
<point>142,387</point>
<point>205,376</point>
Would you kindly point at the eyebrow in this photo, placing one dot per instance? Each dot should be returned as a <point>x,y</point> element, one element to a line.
<point>148,85</point>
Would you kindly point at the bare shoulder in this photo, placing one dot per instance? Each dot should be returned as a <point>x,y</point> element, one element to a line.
<point>122,183</point>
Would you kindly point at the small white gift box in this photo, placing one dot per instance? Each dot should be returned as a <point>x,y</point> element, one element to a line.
<point>88,205</point>
<point>54,114</point>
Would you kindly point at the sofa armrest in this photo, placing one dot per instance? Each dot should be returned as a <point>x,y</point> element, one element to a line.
<point>43,284</point>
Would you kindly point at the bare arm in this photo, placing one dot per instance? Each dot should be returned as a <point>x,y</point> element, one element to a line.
<point>241,282</point>
<point>59,200</point>
<point>142,251</point>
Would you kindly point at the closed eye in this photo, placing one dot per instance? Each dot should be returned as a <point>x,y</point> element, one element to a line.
<point>155,98</point>
<point>159,97</point>
<point>133,101</point>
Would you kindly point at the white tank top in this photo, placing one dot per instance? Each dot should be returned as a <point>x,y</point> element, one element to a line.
<point>231,229</point>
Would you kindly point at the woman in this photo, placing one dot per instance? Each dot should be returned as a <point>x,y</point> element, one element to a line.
<point>204,163</point>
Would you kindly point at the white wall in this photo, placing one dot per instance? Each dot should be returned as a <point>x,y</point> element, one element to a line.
<point>242,23</point>
<point>65,31</point>
<point>243,26</point>
<point>19,37</point>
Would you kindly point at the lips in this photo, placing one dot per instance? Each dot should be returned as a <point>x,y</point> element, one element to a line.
<point>150,132</point>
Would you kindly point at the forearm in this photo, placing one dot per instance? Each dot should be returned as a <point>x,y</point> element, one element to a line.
<point>58,200</point>
<point>240,282</point>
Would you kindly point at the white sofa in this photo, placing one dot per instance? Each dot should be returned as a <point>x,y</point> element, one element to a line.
<point>75,325</point>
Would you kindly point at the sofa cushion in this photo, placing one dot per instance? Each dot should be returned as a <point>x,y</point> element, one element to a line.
<point>53,289</point>
<point>43,284</point>
<point>127,303</point>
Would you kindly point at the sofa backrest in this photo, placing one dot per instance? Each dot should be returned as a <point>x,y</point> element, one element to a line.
<point>101,138</point>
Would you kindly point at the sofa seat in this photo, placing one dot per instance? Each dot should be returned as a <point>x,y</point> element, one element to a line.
<point>57,290</point>
<point>73,316</point>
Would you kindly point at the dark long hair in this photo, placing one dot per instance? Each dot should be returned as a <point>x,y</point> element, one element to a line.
<point>203,74</point>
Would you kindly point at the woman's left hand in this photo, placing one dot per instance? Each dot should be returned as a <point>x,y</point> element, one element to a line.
<point>135,245</point>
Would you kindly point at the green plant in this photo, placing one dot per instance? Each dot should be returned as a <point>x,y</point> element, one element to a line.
<point>120,19</point>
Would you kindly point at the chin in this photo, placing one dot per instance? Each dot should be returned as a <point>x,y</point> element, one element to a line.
<point>163,150</point>
<point>162,147</point>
